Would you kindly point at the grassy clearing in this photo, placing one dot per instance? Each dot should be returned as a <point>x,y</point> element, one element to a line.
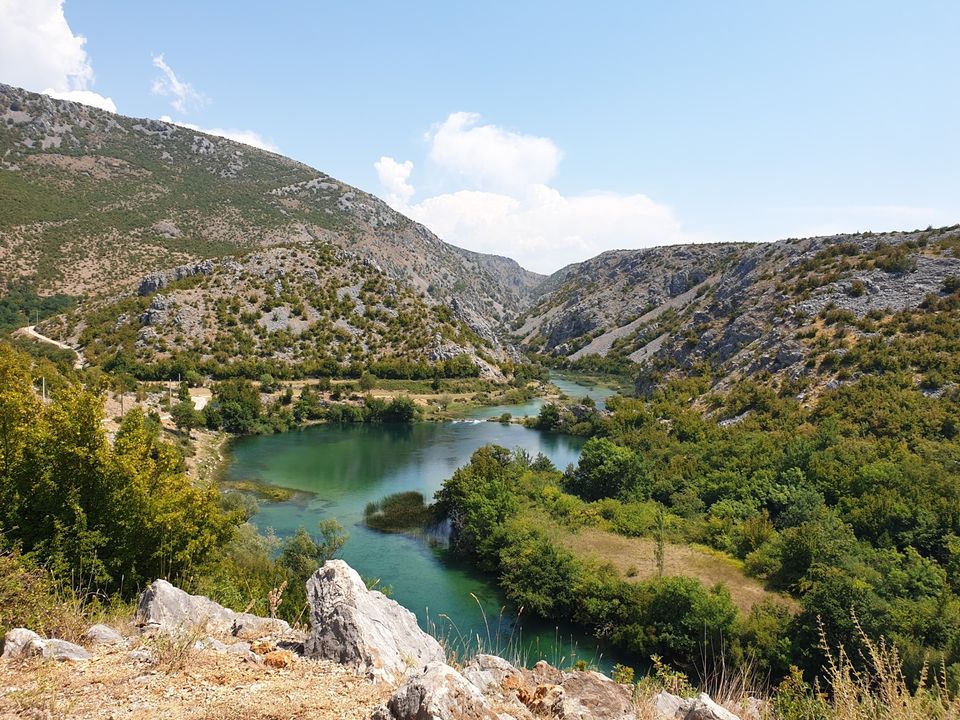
<point>635,559</point>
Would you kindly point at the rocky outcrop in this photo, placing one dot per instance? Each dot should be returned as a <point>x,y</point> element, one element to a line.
<point>702,707</point>
<point>155,281</point>
<point>490,687</point>
<point>439,692</point>
<point>368,632</point>
<point>103,635</point>
<point>22,643</point>
<point>165,608</point>
<point>363,628</point>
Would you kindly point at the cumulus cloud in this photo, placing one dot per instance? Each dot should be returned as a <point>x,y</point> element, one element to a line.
<point>87,97</point>
<point>39,52</point>
<point>543,229</point>
<point>395,179</point>
<point>491,157</point>
<point>505,206</point>
<point>183,96</point>
<point>247,137</point>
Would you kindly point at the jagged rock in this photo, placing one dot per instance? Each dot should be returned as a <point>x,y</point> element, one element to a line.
<point>168,609</point>
<point>587,695</point>
<point>489,672</point>
<point>155,281</point>
<point>670,706</point>
<point>439,692</point>
<point>684,280</point>
<point>20,642</point>
<point>62,650</point>
<point>673,707</point>
<point>103,635</point>
<point>363,628</point>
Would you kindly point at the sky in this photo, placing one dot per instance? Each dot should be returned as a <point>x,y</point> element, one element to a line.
<point>548,131</point>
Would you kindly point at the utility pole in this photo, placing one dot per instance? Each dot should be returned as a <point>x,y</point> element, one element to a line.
<point>43,386</point>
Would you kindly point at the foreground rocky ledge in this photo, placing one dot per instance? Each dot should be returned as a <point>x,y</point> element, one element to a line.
<point>185,656</point>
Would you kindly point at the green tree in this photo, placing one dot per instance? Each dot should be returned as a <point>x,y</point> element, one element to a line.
<point>185,416</point>
<point>237,402</point>
<point>606,469</point>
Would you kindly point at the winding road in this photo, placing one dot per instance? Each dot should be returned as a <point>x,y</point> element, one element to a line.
<point>31,332</point>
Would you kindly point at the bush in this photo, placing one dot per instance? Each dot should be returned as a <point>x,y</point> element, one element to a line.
<point>398,512</point>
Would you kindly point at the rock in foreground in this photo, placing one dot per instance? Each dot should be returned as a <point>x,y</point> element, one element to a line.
<point>363,628</point>
<point>169,609</point>
<point>23,643</point>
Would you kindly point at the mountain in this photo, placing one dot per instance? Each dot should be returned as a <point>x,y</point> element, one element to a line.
<point>808,313</point>
<point>93,202</point>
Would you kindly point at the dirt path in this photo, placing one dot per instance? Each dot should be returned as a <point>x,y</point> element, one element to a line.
<point>30,331</point>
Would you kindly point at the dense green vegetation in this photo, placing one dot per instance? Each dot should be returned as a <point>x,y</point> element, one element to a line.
<point>83,517</point>
<point>852,506</point>
<point>398,512</point>
<point>22,306</point>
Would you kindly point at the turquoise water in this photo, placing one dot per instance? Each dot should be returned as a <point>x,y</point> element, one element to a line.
<point>341,468</point>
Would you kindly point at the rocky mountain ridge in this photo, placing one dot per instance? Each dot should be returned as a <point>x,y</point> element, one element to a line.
<point>100,205</point>
<point>93,200</point>
<point>807,310</point>
<point>313,306</point>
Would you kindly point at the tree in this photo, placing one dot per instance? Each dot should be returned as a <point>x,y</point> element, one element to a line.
<point>238,405</point>
<point>185,416</point>
<point>606,470</point>
<point>367,381</point>
<point>549,417</point>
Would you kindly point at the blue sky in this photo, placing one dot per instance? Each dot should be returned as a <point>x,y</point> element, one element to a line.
<point>550,131</point>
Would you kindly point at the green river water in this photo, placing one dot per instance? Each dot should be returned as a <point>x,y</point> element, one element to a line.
<point>340,468</point>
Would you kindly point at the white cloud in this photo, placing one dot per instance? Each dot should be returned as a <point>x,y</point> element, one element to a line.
<point>184,96</point>
<point>544,230</point>
<point>504,205</point>
<point>247,137</point>
<point>39,52</point>
<point>395,178</point>
<point>87,97</point>
<point>490,157</point>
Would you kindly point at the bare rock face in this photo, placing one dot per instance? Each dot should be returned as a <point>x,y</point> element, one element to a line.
<point>23,643</point>
<point>490,687</point>
<point>156,281</point>
<point>580,694</point>
<point>673,707</point>
<point>440,693</point>
<point>103,635</point>
<point>363,628</point>
<point>168,609</point>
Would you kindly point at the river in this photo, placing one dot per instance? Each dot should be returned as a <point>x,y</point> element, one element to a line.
<point>341,468</point>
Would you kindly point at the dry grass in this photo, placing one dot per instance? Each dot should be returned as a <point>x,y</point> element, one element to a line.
<point>635,559</point>
<point>876,688</point>
<point>211,685</point>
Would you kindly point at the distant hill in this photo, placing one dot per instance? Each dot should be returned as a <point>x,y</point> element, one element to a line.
<point>811,312</point>
<point>93,202</point>
<point>261,258</point>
